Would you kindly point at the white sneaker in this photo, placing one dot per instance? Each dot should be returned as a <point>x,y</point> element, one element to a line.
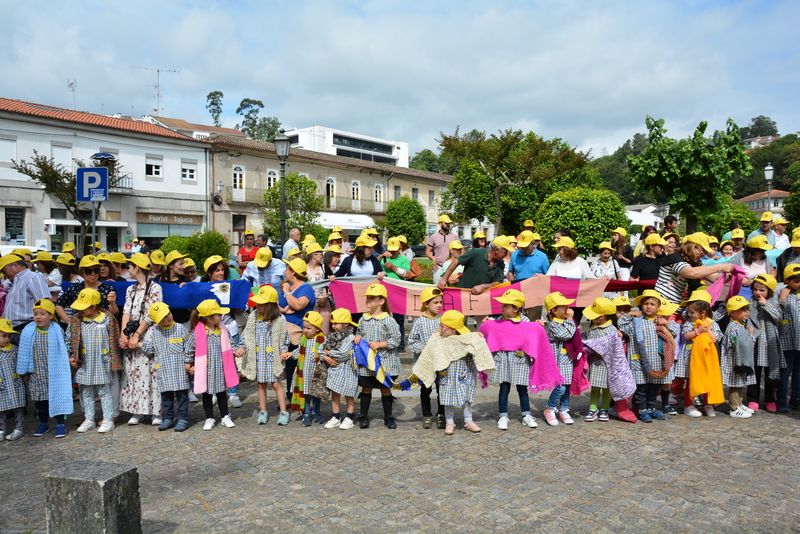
<point>333,423</point>
<point>710,411</point>
<point>107,425</point>
<point>193,397</point>
<point>210,423</point>
<point>157,421</point>
<point>529,421</point>
<point>86,426</point>
<point>235,401</point>
<point>134,420</point>
<point>741,413</point>
<point>692,411</point>
<point>346,424</point>
<point>227,422</point>
<point>15,435</point>
<point>747,409</point>
<point>502,423</point>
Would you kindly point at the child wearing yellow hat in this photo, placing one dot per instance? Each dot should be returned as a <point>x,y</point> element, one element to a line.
<point>380,330</point>
<point>12,393</point>
<point>342,370</point>
<point>432,300</point>
<point>737,357</point>
<point>307,356</point>
<point>513,368</point>
<point>769,360</point>
<point>601,315</point>
<point>790,335</point>
<point>560,328</point>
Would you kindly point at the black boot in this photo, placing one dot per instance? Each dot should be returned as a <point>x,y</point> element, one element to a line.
<point>388,418</point>
<point>363,421</point>
<point>365,402</point>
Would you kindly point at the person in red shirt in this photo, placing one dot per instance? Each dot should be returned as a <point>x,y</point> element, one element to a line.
<point>248,252</point>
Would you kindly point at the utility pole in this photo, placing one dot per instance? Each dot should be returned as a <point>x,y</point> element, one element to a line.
<point>157,85</point>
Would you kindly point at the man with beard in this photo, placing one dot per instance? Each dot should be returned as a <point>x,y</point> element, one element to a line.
<point>438,243</point>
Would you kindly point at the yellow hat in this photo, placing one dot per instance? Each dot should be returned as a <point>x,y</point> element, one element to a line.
<point>655,239</point>
<point>249,232</point>
<point>699,238</point>
<point>479,235</point>
<point>393,245</point>
<point>525,239</point>
<point>667,308</point>
<point>428,294</point>
<point>46,305</point>
<point>698,295</point>
<point>314,247</point>
<point>174,255</point>
<point>713,239</point>
<point>766,216</point>
<point>157,257</point>
<point>307,240</point>
<point>646,294</point>
<point>334,236</point>
<point>672,234</point>
<point>89,261</point>
<point>556,299</point>
<point>513,297</point>
<point>737,233</point>
<point>212,260</point>
<point>455,320</point>
<point>403,239</point>
<point>455,244</point>
<point>7,260</point>
<point>445,219</point>
<point>65,258</point>
<point>5,326</point>
<point>565,241</point>
<point>376,290</point>
<point>780,220</point>
<point>211,307</point>
<point>298,266</point>
<point>342,315</point>
<point>766,279</point>
<point>370,231</point>
<point>293,252</point>
<point>314,318</point>
<point>621,301</point>
<point>135,240</point>
<point>87,297</point>
<point>265,295</point>
<point>731,243</point>
<point>364,241</point>
<point>336,249</point>
<point>793,269</point>
<point>527,222</point>
<point>599,308</point>
<point>512,238</point>
<point>263,257</point>
<point>43,255</point>
<point>736,303</point>
<point>503,242</point>
<point>69,246</point>
<point>619,230</point>
<point>104,256</point>
<point>21,252</point>
<point>157,311</point>
<point>98,245</point>
<point>119,257</point>
<point>536,237</point>
<point>337,229</point>
<point>604,245</point>
<point>141,261</point>
<point>760,242</point>
<point>189,262</point>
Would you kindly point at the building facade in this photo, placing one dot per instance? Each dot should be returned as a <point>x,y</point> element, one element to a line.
<point>349,145</point>
<point>758,203</point>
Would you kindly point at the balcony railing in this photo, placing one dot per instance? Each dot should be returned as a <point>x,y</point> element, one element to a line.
<point>124,183</point>
<point>340,204</point>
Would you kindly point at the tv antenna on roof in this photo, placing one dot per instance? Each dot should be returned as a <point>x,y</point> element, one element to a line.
<point>72,85</point>
<point>157,85</point>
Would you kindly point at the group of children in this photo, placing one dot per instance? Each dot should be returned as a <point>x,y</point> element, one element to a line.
<point>627,359</point>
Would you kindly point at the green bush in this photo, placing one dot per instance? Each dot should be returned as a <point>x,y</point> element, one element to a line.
<point>199,246</point>
<point>406,216</point>
<point>718,224</point>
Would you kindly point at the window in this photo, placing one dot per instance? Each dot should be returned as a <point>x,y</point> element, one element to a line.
<point>239,226</point>
<point>356,190</point>
<point>188,169</point>
<point>8,149</point>
<point>366,156</point>
<point>15,226</point>
<point>415,193</point>
<point>378,193</point>
<point>330,187</point>
<point>272,178</point>
<point>431,197</point>
<point>361,144</point>
<point>238,177</point>
<point>397,192</point>
<point>152,167</point>
<point>62,155</point>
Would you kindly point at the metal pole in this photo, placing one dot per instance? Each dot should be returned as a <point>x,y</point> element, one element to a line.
<point>769,195</point>
<point>283,202</point>
<point>94,223</point>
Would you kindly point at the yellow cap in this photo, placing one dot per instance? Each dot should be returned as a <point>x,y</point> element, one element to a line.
<point>5,326</point>
<point>189,262</point>
<point>370,231</point>
<point>737,233</point>
<point>43,255</point>
<point>479,235</point>
<point>454,319</point>
<point>211,307</point>
<point>314,318</point>
<point>263,257</point>
<point>337,229</point>
<point>141,261</point>
<point>292,252</point>
<point>266,294</point>
<point>766,279</point>
<point>511,238</point>
<point>157,258</point>
<point>307,240</point>
<point>342,315</point>
<point>376,290</point>
<point>314,247</point>
<point>621,301</point>
<point>364,241</point>
<point>298,266</point>
<point>89,261</point>
<point>698,295</point>
<point>22,252</point>
<point>766,216</point>
<point>157,311</point>
<point>7,260</point>
<point>513,297</point>
<point>69,246</point>
<point>731,244</point>
<point>249,232</point>
<point>667,308</point>
<point>759,241</point>
<point>503,242</point>
<point>212,260</point>
<point>780,220</point>
<point>605,245</point>
<point>527,222</point>
<point>334,236</point>
<point>736,303</point>
<point>104,256</point>
<point>713,239</point>
<point>793,269</point>
<point>393,244</point>
<point>672,234</point>
<point>455,244</point>
<point>403,239</point>
<point>445,219</point>
<point>336,249</point>
<point>565,241</point>
<point>65,258</point>
<point>46,305</point>
<point>620,230</point>
<point>87,297</point>
<point>556,299</point>
<point>646,294</point>
<point>174,255</point>
<point>98,245</point>
<point>655,239</point>
<point>699,238</point>
<point>599,308</point>
<point>119,257</point>
<point>428,294</point>
<point>525,239</point>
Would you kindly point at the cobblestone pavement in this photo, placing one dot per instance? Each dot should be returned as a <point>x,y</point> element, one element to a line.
<point>680,475</point>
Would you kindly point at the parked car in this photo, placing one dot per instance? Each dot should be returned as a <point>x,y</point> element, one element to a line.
<point>419,250</point>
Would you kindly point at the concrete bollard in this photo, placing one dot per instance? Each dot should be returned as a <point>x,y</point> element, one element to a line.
<point>93,497</point>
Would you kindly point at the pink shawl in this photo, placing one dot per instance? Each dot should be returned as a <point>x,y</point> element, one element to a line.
<point>530,338</point>
<point>736,277</point>
<point>201,358</point>
<point>580,363</point>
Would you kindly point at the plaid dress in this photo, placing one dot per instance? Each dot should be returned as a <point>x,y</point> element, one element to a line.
<point>95,352</point>
<point>167,345</point>
<point>513,367</point>
<point>727,359</point>
<point>457,383</point>
<point>790,325</point>
<point>381,327</point>
<point>598,372</point>
<point>12,389</point>
<point>681,367</point>
<point>343,379</point>
<point>421,331</point>
<point>559,331</point>
<point>215,375</point>
<point>312,357</point>
<point>39,381</point>
<point>654,346</point>
<point>269,366</point>
<point>766,316</point>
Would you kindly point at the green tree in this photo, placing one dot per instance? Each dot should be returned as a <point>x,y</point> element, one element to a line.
<point>759,126</point>
<point>425,160</point>
<point>791,206</point>
<point>214,105</point>
<point>719,223</point>
<point>781,154</point>
<point>406,216</point>
<point>260,128</point>
<point>199,246</point>
<point>694,174</point>
<point>303,205</point>
<point>614,173</point>
<point>590,213</point>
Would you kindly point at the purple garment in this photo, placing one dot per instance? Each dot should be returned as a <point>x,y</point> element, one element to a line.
<point>620,379</point>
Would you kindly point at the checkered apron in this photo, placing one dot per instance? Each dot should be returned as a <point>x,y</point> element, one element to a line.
<point>727,357</point>
<point>457,384</point>
<point>39,381</point>
<point>343,379</point>
<point>381,329</point>
<point>168,347</point>
<point>12,389</point>
<point>681,367</point>
<point>421,331</point>
<point>269,366</point>
<point>96,368</point>
<point>558,332</point>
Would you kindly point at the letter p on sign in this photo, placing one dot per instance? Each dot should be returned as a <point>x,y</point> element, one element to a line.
<point>92,184</point>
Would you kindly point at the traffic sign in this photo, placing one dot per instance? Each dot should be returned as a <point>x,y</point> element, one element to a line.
<point>92,184</point>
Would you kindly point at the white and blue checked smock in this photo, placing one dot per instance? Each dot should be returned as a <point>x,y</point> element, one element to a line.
<point>513,367</point>
<point>12,389</point>
<point>381,327</point>
<point>654,346</point>
<point>727,356</point>
<point>167,344</point>
<point>39,381</point>
<point>311,356</point>
<point>269,366</point>
<point>766,315</point>
<point>421,331</point>
<point>598,372</point>
<point>790,322</point>
<point>559,331</point>
<point>95,353</point>
<point>681,367</point>
<point>457,383</point>
<point>215,375</point>
<point>343,379</point>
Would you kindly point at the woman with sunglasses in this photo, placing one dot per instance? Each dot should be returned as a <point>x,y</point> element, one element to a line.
<point>174,273</point>
<point>90,271</point>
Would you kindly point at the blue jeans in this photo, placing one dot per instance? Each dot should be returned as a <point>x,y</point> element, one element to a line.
<point>43,412</point>
<point>524,399</point>
<point>312,405</point>
<point>792,371</point>
<point>560,395</point>
<point>168,404</point>
<point>235,389</point>
<point>646,395</point>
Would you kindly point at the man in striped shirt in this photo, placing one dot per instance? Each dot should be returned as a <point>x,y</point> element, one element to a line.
<point>26,288</point>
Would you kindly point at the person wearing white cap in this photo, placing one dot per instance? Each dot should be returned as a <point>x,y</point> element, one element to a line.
<point>437,250</point>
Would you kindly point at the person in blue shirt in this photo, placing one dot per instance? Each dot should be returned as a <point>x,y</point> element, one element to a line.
<point>764,228</point>
<point>527,260</point>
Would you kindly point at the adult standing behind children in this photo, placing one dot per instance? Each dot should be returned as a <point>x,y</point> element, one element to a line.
<point>764,228</point>
<point>437,250</point>
<point>27,288</point>
<point>248,252</point>
<point>90,271</point>
<point>483,267</point>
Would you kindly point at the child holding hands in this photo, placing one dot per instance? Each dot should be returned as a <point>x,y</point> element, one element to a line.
<point>560,328</point>
<point>12,389</point>
<point>342,372</point>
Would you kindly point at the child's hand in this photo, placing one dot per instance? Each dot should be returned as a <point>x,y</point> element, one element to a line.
<point>139,345</point>
<point>239,352</point>
<point>189,368</point>
<point>285,355</point>
<point>619,333</point>
<point>751,329</point>
<point>327,352</point>
<point>487,318</point>
<point>123,341</point>
<point>784,294</point>
<point>570,313</point>
<point>762,300</point>
<point>357,340</point>
<point>330,361</point>
<point>376,345</point>
<point>542,322</point>
<point>702,330</point>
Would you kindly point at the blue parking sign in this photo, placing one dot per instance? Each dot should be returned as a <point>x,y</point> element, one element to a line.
<point>92,184</point>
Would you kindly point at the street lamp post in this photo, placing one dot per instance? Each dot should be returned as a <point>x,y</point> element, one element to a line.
<point>768,171</point>
<point>282,145</point>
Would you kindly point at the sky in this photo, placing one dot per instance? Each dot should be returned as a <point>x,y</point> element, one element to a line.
<point>587,72</point>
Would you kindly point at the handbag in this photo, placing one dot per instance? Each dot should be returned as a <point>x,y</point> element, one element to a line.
<point>415,270</point>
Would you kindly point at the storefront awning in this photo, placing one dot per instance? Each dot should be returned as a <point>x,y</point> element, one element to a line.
<point>100,224</point>
<point>348,221</point>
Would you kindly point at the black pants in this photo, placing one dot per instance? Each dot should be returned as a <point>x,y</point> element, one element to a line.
<point>646,395</point>
<point>290,364</point>
<point>168,399</point>
<point>208,404</point>
<point>400,319</point>
<point>425,400</point>
<point>43,412</point>
<point>770,387</point>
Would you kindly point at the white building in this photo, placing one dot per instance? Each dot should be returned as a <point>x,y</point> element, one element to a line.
<point>164,189</point>
<point>349,145</point>
<point>758,203</point>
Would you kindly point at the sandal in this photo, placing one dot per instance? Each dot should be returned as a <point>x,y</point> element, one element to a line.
<point>449,429</point>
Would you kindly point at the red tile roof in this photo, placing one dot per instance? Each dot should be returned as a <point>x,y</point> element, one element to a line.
<point>181,124</point>
<point>776,193</point>
<point>82,117</point>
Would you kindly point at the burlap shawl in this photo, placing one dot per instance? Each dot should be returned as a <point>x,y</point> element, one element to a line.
<point>440,351</point>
